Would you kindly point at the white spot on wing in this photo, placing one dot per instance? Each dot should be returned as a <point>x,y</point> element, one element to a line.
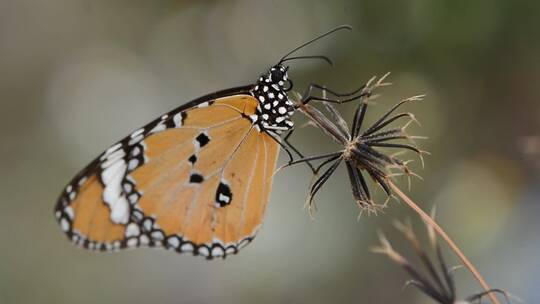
<point>177,119</point>
<point>113,158</point>
<point>147,224</point>
<point>159,127</point>
<point>203,251</point>
<point>72,196</point>
<point>157,235</point>
<point>132,230</point>
<point>113,148</point>
<point>217,252</point>
<point>132,243</point>
<point>82,181</point>
<point>137,133</point>
<point>64,224</point>
<point>224,198</point>
<point>114,170</point>
<point>70,213</point>
<point>144,239</point>
<point>135,140</point>
<point>133,198</point>
<point>173,242</point>
<point>186,247</point>
<point>136,150</point>
<point>133,163</point>
<point>112,176</point>
<point>120,211</point>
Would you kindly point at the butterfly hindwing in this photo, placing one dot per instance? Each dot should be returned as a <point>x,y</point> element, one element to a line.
<point>195,180</point>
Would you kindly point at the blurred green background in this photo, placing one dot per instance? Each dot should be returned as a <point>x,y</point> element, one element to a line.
<point>77,75</point>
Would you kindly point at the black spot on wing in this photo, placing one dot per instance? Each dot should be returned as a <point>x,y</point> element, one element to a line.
<point>223,195</point>
<point>196,178</point>
<point>192,159</point>
<point>202,139</point>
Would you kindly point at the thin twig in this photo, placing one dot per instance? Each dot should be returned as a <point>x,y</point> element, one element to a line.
<point>430,221</point>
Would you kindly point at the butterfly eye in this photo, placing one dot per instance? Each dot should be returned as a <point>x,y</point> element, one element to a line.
<point>277,75</point>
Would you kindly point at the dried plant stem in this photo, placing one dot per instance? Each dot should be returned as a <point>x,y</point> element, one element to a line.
<point>430,221</point>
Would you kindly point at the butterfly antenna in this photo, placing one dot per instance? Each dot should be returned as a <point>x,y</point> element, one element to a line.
<point>339,28</point>
<point>322,57</point>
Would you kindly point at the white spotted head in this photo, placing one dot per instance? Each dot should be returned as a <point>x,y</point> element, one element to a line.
<point>274,108</point>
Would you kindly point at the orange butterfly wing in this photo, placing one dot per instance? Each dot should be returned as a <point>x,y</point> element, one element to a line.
<point>196,180</point>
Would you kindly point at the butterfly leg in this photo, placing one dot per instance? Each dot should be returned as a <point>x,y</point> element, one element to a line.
<point>276,138</point>
<point>363,92</point>
<point>288,143</point>
<point>313,86</point>
<point>337,97</point>
<point>328,158</point>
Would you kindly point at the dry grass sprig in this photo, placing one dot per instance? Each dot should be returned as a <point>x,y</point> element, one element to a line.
<point>440,231</point>
<point>437,280</point>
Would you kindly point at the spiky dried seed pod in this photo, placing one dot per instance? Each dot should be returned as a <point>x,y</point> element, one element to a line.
<point>361,150</point>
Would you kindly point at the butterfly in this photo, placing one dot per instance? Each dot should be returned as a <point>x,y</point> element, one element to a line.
<point>197,179</point>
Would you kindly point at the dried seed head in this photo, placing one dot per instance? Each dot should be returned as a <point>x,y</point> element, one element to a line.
<point>362,150</point>
<point>436,283</point>
<point>363,153</point>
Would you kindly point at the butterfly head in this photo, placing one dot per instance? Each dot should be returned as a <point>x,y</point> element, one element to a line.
<point>278,74</point>
<point>274,108</point>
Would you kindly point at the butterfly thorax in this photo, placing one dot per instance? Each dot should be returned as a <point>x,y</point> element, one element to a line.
<point>274,108</point>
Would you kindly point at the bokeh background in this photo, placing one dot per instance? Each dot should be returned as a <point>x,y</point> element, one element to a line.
<point>77,75</point>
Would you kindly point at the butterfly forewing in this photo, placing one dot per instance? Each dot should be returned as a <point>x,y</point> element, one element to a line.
<point>196,180</point>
